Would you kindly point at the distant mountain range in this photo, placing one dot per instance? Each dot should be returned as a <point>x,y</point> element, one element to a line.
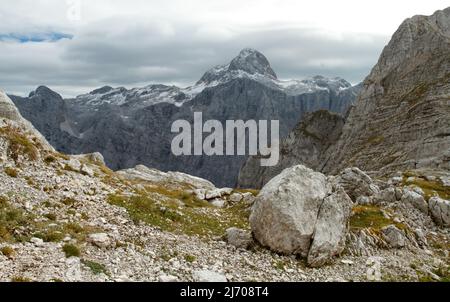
<point>132,126</point>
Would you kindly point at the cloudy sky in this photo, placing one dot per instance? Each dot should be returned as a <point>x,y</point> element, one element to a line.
<point>75,46</point>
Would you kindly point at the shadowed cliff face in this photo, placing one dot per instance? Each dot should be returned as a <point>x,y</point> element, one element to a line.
<point>131,127</point>
<point>401,119</point>
<point>306,144</point>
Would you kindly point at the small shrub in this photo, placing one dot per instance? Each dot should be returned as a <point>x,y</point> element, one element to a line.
<point>280,265</point>
<point>21,279</point>
<point>7,251</point>
<point>30,181</point>
<point>69,201</point>
<point>50,216</point>
<point>49,159</point>
<point>11,219</point>
<point>71,250</point>
<point>11,172</point>
<point>73,228</point>
<point>50,235</point>
<point>190,258</point>
<point>96,268</point>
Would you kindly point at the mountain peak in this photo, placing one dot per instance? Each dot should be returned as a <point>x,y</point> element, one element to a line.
<point>45,93</point>
<point>249,61</point>
<point>253,62</point>
<point>102,90</point>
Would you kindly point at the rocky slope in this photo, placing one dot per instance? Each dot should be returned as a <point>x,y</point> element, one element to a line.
<point>69,218</point>
<point>131,127</point>
<point>401,119</point>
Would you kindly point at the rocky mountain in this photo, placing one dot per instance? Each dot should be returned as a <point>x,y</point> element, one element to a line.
<point>49,114</point>
<point>400,121</point>
<point>131,127</point>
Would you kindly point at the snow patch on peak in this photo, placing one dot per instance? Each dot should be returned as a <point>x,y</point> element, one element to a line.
<point>249,64</point>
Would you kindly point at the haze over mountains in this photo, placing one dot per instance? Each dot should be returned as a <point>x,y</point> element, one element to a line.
<point>131,127</point>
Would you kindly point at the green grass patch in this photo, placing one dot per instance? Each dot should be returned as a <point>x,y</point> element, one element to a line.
<point>11,220</point>
<point>95,267</point>
<point>364,217</point>
<point>7,251</point>
<point>21,279</point>
<point>190,258</point>
<point>71,250</point>
<point>19,144</point>
<point>50,159</point>
<point>69,201</point>
<point>192,219</point>
<point>11,172</point>
<point>430,188</point>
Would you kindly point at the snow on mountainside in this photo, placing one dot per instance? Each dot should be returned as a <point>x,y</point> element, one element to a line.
<point>250,64</point>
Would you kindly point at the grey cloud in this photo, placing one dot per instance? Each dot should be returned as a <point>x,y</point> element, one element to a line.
<point>131,53</point>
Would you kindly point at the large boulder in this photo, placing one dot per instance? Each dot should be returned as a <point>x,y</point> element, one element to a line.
<point>298,212</point>
<point>285,212</point>
<point>415,199</point>
<point>440,210</point>
<point>331,228</point>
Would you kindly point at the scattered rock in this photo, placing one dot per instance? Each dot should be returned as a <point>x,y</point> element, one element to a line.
<point>86,170</point>
<point>357,183</point>
<point>236,197</point>
<point>239,238</point>
<point>168,279</point>
<point>374,269</point>
<point>440,210</point>
<point>37,241</point>
<point>208,276</point>
<point>218,203</point>
<point>415,199</point>
<point>364,200</point>
<point>74,164</point>
<point>395,180</point>
<point>387,195</point>
<point>249,198</point>
<point>200,194</point>
<point>393,236</point>
<point>100,240</point>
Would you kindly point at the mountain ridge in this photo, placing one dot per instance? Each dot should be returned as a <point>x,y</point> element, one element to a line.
<point>131,127</point>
